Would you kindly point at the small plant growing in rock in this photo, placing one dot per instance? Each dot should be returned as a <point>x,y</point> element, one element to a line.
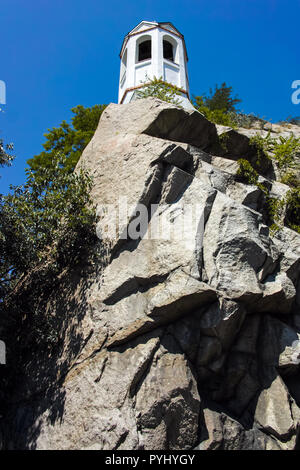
<point>291,178</point>
<point>263,146</point>
<point>247,121</point>
<point>285,211</point>
<point>292,201</point>
<point>246,172</point>
<point>158,88</point>
<point>287,153</point>
<point>276,209</point>
<point>223,140</point>
<point>295,121</point>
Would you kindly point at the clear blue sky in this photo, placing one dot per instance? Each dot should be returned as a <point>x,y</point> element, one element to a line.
<point>56,54</point>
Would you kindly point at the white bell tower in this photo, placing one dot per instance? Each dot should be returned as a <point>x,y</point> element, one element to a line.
<point>151,50</point>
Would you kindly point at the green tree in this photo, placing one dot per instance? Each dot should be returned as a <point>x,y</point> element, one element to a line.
<point>221,99</point>
<point>68,139</point>
<point>48,220</point>
<point>219,106</point>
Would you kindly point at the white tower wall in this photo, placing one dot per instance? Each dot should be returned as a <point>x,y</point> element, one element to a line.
<point>134,72</point>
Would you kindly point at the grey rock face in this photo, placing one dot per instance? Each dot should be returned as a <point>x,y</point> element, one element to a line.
<point>183,342</point>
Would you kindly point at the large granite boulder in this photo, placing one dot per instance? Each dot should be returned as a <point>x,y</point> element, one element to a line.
<point>184,332</point>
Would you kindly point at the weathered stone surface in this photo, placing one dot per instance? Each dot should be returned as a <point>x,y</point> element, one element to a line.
<point>280,346</point>
<point>182,126</point>
<point>95,410</point>
<point>167,402</point>
<point>278,295</point>
<point>273,411</point>
<point>288,243</point>
<point>236,144</point>
<point>179,295</point>
<point>240,244</point>
<point>172,339</point>
<point>223,319</point>
<point>220,432</point>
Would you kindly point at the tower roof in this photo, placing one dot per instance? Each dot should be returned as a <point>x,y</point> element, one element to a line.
<point>144,26</point>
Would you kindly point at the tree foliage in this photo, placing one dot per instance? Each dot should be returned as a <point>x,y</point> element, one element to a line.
<point>285,154</point>
<point>5,157</point>
<point>158,88</point>
<point>218,106</point>
<point>68,139</point>
<point>221,98</point>
<point>246,172</point>
<point>48,219</point>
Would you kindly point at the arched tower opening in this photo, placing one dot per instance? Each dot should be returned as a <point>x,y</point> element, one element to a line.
<point>170,49</point>
<point>143,48</point>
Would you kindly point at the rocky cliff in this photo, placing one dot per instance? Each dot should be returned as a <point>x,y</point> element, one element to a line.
<point>176,341</point>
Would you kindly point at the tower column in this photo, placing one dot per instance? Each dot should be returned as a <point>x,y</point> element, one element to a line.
<point>131,50</point>
<point>159,71</point>
<point>182,76</point>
